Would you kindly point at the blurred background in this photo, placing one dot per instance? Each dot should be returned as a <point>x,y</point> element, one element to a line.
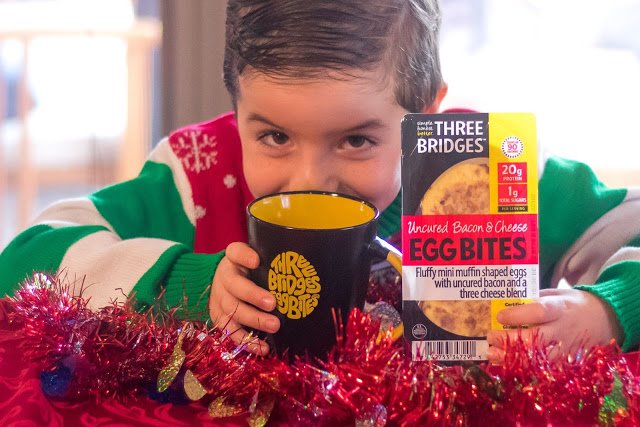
<point>88,86</point>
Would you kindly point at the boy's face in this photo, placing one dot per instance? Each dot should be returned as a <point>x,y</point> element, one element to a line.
<point>339,135</point>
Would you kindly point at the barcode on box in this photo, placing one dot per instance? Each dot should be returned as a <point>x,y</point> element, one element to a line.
<point>450,350</point>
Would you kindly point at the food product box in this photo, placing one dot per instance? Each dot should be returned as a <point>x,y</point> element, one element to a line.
<point>469,228</point>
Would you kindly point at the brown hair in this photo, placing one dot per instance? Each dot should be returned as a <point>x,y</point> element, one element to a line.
<point>305,38</point>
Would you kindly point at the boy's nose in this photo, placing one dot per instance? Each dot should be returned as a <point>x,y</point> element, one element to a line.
<point>312,175</point>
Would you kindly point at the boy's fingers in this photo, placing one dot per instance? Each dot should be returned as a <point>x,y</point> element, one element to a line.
<point>258,347</point>
<point>232,282</point>
<point>245,290</point>
<point>240,336</point>
<point>243,254</point>
<point>496,338</point>
<point>495,355</point>
<point>535,313</point>
<point>247,315</point>
<point>500,338</point>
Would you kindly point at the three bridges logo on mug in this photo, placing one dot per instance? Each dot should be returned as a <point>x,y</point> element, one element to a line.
<point>294,282</point>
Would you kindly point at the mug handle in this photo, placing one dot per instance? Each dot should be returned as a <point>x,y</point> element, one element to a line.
<point>386,251</point>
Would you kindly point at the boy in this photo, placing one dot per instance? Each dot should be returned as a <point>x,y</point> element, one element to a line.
<point>319,89</point>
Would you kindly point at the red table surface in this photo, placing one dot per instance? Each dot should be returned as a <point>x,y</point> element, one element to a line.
<point>22,402</point>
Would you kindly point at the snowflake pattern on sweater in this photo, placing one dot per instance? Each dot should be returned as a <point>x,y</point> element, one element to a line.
<point>196,150</point>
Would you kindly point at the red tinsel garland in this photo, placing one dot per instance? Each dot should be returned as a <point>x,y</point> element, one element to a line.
<point>367,379</point>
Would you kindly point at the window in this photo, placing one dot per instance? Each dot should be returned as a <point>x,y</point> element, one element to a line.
<point>575,64</point>
<point>75,100</point>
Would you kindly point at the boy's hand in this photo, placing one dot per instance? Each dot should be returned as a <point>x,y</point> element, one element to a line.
<point>234,298</point>
<point>571,317</point>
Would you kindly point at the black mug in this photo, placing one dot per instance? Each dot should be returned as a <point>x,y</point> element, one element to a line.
<point>316,250</point>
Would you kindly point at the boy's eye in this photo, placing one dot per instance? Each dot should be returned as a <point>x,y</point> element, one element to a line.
<point>357,141</point>
<point>274,138</point>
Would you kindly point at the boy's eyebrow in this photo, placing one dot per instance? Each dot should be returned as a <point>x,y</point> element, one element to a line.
<point>255,117</point>
<point>368,124</point>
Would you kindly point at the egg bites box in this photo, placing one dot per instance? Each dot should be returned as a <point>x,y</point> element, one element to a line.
<point>469,228</point>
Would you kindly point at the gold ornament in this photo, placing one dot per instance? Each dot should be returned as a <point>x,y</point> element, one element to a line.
<point>169,372</point>
<point>261,411</point>
<point>219,409</point>
<point>192,387</point>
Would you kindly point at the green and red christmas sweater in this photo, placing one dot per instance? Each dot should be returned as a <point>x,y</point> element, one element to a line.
<point>166,230</point>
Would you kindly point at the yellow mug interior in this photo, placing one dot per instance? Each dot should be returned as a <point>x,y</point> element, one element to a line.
<point>312,210</point>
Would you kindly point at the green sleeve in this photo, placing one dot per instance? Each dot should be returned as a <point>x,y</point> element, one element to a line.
<point>147,206</point>
<point>571,200</point>
<point>37,249</point>
<point>389,220</point>
<point>187,284</point>
<point>150,207</point>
